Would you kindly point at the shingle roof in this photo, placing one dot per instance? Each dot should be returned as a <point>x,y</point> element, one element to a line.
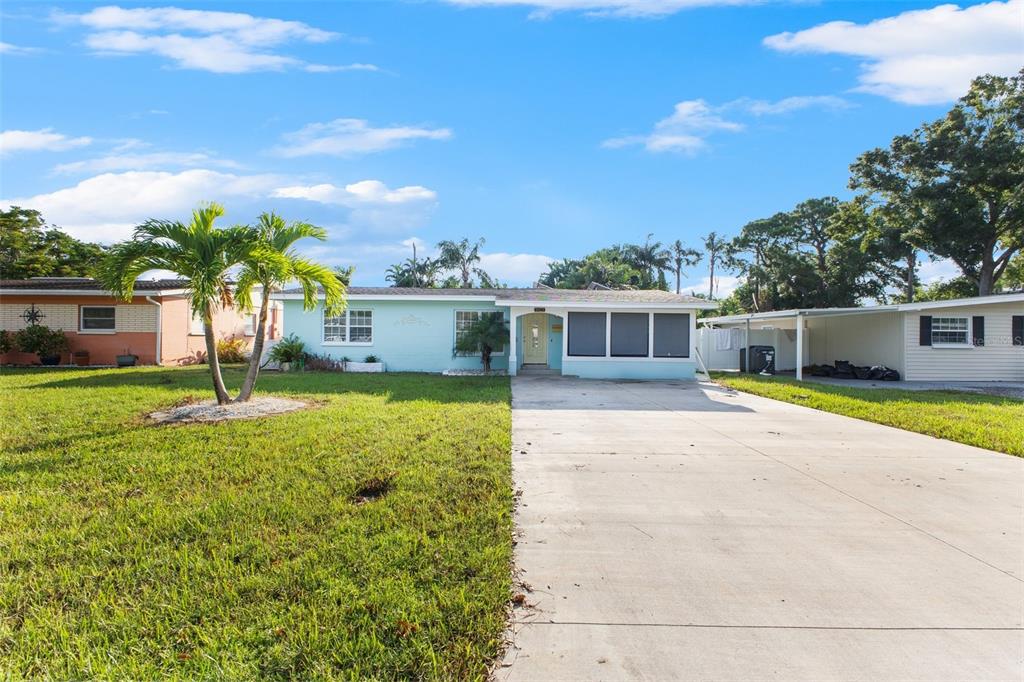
<point>86,284</point>
<point>536,295</point>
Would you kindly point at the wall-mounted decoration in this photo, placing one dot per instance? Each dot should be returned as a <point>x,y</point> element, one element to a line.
<point>32,315</point>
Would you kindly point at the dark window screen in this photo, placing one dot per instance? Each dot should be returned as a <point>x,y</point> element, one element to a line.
<point>671,335</point>
<point>586,334</point>
<point>630,334</point>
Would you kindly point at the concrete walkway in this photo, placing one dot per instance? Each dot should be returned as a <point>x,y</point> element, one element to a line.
<point>679,531</point>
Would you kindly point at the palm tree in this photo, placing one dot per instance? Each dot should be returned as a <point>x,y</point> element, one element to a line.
<point>273,265</point>
<point>197,250</point>
<point>461,256</point>
<point>717,250</point>
<point>649,258</point>
<point>414,272</point>
<point>681,256</point>
<point>487,334</point>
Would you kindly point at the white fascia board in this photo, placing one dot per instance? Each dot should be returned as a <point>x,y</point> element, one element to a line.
<point>963,302</point>
<point>281,296</point>
<point>85,292</point>
<point>606,306</point>
<point>806,312</point>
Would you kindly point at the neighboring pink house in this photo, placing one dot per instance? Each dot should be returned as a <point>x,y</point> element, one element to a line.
<point>157,325</point>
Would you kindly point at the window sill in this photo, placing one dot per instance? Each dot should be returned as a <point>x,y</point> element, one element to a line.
<point>196,334</point>
<point>952,345</point>
<point>606,358</point>
<point>97,331</point>
<point>346,343</point>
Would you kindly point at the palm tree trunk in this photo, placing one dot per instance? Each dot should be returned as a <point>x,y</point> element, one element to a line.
<point>679,271</point>
<point>257,350</point>
<point>211,357</point>
<point>711,286</point>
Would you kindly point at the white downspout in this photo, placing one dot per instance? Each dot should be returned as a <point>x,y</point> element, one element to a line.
<point>159,328</point>
<point>799,346</point>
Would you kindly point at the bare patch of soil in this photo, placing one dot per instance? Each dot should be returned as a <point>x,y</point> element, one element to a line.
<point>209,411</point>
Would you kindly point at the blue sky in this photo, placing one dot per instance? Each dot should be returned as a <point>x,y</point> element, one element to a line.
<point>550,128</point>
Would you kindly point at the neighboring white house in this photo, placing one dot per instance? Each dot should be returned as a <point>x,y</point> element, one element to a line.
<point>966,339</point>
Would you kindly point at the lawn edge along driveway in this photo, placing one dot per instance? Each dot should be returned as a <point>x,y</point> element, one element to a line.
<point>984,421</point>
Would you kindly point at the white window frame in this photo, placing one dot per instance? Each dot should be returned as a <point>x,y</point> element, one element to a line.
<point>251,322</point>
<point>945,321</point>
<point>195,323</point>
<point>81,320</point>
<point>346,326</point>
<point>456,330</point>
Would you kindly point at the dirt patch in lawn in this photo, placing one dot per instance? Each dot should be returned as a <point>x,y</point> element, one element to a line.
<point>210,411</point>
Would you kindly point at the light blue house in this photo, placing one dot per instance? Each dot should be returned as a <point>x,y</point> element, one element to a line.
<point>606,334</point>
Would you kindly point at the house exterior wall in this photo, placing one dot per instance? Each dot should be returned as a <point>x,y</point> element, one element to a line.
<point>997,360</point>
<point>182,347</point>
<point>408,336</point>
<point>866,339</point>
<point>609,367</point>
<point>135,326</point>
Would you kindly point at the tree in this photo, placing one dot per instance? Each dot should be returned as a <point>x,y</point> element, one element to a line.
<point>344,273</point>
<point>818,255</point>
<point>203,253</point>
<point>270,267</point>
<point>606,267</point>
<point>414,272</point>
<point>29,247</point>
<point>484,336</point>
<point>956,183</point>
<point>716,249</point>
<point>461,257</point>
<point>649,259</point>
<point>682,257</point>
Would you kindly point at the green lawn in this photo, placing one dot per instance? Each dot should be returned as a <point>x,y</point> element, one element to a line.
<point>982,420</point>
<point>242,549</point>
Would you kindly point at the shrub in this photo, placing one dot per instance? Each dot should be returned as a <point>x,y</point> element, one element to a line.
<point>371,358</point>
<point>289,349</point>
<point>232,350</point>
<point>6,341</point>
<point>41,340</point>
<point>323,363</point>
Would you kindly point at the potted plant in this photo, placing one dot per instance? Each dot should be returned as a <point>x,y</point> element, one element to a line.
<point>81,357</point>
<point>371,363</point>
<point>48,344</point>
<point>288,351</point>
<point>127,359</point>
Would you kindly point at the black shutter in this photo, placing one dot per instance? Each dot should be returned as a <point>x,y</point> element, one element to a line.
<point>925,339</point>
<point>1018,330</point>
<point>978,329</point>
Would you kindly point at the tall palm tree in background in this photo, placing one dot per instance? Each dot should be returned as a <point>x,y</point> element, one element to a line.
<point>717,251</point>
<point>650,258</point>
<point>272,266</point>
<point>683,256</point>
<point>198,251</point>
<point>462,257</point>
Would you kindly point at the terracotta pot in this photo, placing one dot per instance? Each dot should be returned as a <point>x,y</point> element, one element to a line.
<point>81,358</point>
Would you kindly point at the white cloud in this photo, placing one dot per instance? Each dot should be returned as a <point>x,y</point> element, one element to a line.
<point>693,121</point>
<point>106,207</point>
<point>613,8</point>
<point>516,269</point>
<point>357,193</point>
<point>153,160</point>
<point>373,205</point>
<point>14,50</point>
<point>760,107</point>
<point>941,270</point>
<point>922,56</point>
<point>221,42</point>
<point>12,141</point>
<point>684,131</point>
<point>352,136</point>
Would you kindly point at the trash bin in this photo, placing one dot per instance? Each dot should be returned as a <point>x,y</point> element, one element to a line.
<point>762,359</point>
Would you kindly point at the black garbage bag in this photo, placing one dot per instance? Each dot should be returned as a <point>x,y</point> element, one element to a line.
<point>822,370</point>
<point>844,370</point>
<point>862,372</point>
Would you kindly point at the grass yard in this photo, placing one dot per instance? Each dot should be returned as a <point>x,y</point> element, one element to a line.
<point>249,549</point>
<point>981,420</point>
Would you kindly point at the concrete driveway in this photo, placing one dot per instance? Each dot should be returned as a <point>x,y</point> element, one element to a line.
<point>679,531</point>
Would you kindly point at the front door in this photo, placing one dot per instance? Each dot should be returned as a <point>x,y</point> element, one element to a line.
<point>535,339</point>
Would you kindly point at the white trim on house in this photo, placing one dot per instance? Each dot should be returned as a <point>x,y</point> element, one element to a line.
<point>87,292</point>
<point>81,319</point>
<point>348,327</point>
<point>510,302</point>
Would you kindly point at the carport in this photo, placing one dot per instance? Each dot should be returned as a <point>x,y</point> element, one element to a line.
<point>799,327</point>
